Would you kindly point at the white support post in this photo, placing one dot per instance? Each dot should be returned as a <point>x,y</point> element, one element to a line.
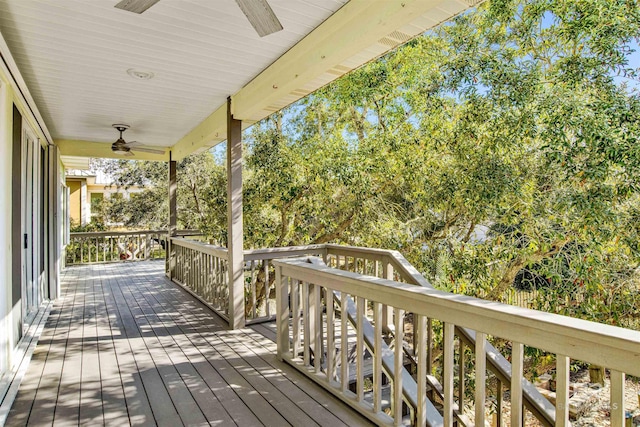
<point>53,222</point>
<point>234,221</point>
<point>173,218</point>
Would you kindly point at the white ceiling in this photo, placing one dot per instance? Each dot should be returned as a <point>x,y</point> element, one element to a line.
<point>74,56</point>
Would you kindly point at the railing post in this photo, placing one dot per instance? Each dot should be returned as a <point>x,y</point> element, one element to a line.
<point>387,311</point>
<point>234,221</point>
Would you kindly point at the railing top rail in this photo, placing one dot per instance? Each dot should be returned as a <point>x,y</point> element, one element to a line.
<point>270,253</point>
<point>115,233</point>
<point>398,261</point>
<point>603,345</point>
<point>206,248</point>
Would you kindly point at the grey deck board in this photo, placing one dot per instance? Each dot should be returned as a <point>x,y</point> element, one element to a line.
<point>124,346</point>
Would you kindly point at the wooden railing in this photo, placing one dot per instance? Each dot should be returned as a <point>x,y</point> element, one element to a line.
<point>259,271</point>
<point>113,246</point>
<point>201,269</point>
<point>322,316</point>
<point>259,279</point>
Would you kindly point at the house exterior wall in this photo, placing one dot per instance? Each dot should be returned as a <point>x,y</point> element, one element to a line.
<point>86,191</point>
<point>75,201</point>
<point>41,249</point>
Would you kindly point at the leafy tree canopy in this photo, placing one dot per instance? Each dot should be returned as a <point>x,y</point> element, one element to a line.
<point>497,149</point>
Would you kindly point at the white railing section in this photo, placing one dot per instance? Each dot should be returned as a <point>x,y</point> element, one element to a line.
<point>259,276</point>
<point>113,246</point>
<point>390,264</point>
<point>202,270</point>
<point>322,316</point>
<point>259,293</point>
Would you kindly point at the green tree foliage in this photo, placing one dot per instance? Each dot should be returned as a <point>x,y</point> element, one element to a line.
<point>499,149</point>
<point>201,194</point>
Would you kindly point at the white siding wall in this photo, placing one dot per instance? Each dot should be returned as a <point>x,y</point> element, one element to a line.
<point>5,229</point>
<point>14,92</point>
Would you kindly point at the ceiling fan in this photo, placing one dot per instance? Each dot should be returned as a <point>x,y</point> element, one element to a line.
<point>124,148</point>
<point>258,12</point>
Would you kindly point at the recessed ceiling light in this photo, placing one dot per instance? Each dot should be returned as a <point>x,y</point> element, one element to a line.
<point>140,75</point>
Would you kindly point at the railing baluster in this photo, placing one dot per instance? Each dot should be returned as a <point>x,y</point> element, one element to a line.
<point>397,367</point>
<point>254,299</point>
<point>306,318</point>
<point>220,282</point>
<point>331,350</point>
<point>562,390</point>
<point>421,353</point>
<point>517,362</point>
<point>617,399</point>
<point>267,289</point>
<point>282,314</point>
<point>316,325</point>
<point>360,302</point>
<point>462,367</point>
<point>377,357</point>
<point>295,308</point>
<point>448,350</point>
<point>344,344</point>
<point>481,375</point>
<point>499,406</point>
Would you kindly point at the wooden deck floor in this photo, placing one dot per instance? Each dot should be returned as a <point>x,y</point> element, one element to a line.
<point>123,345</point>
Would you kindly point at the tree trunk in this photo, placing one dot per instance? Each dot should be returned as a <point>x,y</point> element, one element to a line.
<point>596,374</point>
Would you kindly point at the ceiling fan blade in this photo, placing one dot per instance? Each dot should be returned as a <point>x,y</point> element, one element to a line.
<point>136,6</point>
<point>148,150</point>
<point>261,16</point>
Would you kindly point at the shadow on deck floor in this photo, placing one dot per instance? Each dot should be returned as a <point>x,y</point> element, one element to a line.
<point>123,345</point>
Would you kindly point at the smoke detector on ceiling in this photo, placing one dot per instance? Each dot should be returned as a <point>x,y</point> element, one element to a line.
<point>140,75</point>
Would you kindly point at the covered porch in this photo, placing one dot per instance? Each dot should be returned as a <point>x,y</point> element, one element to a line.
<point>355,332</point>
<point>123,345</point>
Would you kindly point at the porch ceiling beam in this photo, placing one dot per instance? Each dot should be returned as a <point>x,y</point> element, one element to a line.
<point>355,27</point>
<point>102,150</point>
<point>362,28</point>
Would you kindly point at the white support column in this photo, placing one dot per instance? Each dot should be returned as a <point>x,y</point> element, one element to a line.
<point>234,220</point>
<point>53,221</point>
<point>173,218</point>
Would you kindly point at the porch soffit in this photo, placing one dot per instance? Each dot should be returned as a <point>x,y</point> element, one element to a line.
<point>74,55</point>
